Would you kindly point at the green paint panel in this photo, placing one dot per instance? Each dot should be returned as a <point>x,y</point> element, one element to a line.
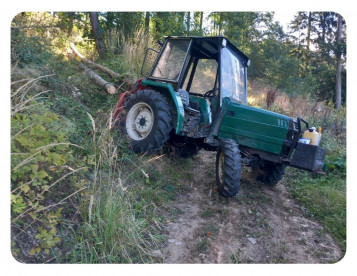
<point>174,96</point>
<point>253,127</point>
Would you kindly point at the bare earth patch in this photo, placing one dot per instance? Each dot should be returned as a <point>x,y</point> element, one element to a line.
<point>261,225</point>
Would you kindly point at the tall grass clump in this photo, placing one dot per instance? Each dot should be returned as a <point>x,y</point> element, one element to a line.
<point>119,221</point>
<point>128,53</point>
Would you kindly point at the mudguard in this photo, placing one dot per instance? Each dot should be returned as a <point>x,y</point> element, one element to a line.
<point>173,98</point>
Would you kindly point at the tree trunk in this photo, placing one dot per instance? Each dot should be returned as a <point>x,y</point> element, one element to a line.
<point>181,25</point>
<point>70,16</point>
<point>147,22</point>
<point>338,57</point>
<point>219,24</point>
<point>98,34</point>
<point>96,65</point>
<point>188,23</point>
<point>201,22</point>
<point>308,39</point>
<point>109,87</point>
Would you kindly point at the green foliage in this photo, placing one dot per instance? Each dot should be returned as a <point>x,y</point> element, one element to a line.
<point>28,49</point>
<point>40,158</point>
<point>165,24</point>
<point>79,125</point>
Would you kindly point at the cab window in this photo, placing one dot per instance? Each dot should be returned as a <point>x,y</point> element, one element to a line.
<point>204,77</point>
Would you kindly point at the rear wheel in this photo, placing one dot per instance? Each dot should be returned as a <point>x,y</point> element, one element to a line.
<point>148,121</point>
<point>270,173</point>
<point>228,168</point>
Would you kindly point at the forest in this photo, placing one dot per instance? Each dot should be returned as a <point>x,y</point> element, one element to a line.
<point>79,195</point>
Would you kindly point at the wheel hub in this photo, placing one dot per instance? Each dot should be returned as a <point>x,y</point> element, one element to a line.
<point>143,121</point>
<point>139,121</point>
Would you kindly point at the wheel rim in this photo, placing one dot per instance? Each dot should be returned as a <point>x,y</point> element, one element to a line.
<point>139,121</point>
<point>221,167</point>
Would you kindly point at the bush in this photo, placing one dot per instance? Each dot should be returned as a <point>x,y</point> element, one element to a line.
<point>41,165</point>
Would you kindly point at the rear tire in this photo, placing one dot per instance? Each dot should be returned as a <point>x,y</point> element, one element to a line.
<point>228,168</point>
<point>148,121</point>
<point>270,173</point>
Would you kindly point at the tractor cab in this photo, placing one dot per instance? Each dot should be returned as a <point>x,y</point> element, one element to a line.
<point>204,67</point>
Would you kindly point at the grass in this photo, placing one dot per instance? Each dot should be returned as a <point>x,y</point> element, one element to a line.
<point>322,197</point>
<point>122,214</point>
<point>119,216</point>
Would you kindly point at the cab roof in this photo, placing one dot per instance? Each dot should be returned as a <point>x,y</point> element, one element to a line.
<point>208,46</point>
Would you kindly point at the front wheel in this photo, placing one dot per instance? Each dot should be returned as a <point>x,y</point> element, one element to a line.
<point>228,168</point>
<point>148,121</point>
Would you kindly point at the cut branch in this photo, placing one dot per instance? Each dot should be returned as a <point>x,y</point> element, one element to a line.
<point>98,79</point>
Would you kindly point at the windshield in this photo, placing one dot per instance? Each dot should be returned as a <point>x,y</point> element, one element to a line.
<point>233,77</point>
<point>171,60</point>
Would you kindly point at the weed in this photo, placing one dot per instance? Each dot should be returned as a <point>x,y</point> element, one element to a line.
<point>210,212</point>
<point>203,245</point>
<point>211,229</point>
<point>236,257</point>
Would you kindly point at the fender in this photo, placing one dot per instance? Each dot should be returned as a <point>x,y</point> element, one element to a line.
<point>165,89</point>
<point>173,97</point>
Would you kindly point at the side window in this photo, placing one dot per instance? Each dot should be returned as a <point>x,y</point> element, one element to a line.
<point>205,76</point>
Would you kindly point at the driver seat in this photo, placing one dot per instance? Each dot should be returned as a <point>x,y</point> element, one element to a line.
<point>185,98</point>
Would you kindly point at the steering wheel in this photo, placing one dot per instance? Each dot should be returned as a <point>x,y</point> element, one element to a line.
<point>210,93</point>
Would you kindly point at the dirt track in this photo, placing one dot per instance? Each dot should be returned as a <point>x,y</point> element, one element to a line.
<point>261,225</point>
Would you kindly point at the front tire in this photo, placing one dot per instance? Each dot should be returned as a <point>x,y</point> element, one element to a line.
<point>228,168</point>
<point>148,121</point>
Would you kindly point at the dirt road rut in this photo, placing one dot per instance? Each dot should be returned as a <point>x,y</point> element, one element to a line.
<point>261,225</point>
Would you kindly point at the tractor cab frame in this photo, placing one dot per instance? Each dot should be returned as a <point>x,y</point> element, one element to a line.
<point>203,66</point>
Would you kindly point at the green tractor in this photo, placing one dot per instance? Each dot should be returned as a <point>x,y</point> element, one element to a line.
<point>194,96</point>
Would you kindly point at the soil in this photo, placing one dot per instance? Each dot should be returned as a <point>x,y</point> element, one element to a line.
<point>261,225</point>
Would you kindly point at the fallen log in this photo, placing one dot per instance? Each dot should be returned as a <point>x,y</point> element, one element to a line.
<point>98,79</point>
<point>102,68</point>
